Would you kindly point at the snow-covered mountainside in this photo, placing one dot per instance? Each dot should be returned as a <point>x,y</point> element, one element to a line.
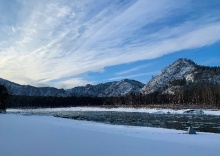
<point>27,90</point>
<point>121,88</point>
<point>89,90</point>
<point>116,88</point>
<point>181,69</point>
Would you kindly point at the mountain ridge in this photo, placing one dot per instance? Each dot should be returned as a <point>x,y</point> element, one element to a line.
<point>181,69</point>
<point>99,90</point>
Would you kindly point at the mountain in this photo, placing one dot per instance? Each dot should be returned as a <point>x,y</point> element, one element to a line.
<point>89,90</point>
<point>169,80</point>
<point>181,71</point>
<point>122,88</point>
<point>116,88</point>
<point>27,90</point>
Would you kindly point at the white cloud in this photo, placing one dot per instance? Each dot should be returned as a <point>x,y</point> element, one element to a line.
<point>13,29</point>
<point>56,39</point>
<point>68,84</point>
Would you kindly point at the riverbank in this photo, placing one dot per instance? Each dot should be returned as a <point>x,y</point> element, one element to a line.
<point>121,109</point>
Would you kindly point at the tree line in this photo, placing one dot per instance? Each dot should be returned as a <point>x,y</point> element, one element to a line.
<point>201,95</point>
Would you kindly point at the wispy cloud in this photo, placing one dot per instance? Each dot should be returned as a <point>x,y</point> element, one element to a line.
<point>133,76</point>
<point>133,69</point>
<point>67,84</point>
<point>54,40</point>
<point>211,61</point>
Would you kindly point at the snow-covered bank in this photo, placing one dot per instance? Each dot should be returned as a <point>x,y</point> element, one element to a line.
<point>143,110</point>
<point>47,135</point>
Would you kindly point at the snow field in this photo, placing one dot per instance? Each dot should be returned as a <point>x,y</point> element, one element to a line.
<point>22,135</point>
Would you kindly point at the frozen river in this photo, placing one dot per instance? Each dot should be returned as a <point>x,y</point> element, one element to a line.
<point>202,123</point>
<point>180,121</point>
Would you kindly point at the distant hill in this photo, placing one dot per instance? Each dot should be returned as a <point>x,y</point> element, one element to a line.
<point>116,88</point>
<point>27,90</point>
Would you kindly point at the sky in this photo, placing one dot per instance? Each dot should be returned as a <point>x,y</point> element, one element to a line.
<point>68,43</point>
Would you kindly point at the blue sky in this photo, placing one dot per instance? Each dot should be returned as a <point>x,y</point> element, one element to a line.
<point>67,43</point>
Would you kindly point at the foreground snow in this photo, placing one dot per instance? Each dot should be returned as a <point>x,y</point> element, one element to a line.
<point>46,135</point>
<point>143,110</point>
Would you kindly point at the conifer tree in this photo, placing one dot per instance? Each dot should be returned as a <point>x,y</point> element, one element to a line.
<point>3,97</point>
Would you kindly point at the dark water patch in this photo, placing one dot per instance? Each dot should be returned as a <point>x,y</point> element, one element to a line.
<point>202,123</point>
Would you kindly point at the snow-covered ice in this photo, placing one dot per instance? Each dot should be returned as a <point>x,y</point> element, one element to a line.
<point>143,110</point>
<point>22,135</point>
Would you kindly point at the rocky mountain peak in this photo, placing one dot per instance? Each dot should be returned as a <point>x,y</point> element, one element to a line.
<point>180,65</point>
<point>184,61</point>
<point>179,69</point>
